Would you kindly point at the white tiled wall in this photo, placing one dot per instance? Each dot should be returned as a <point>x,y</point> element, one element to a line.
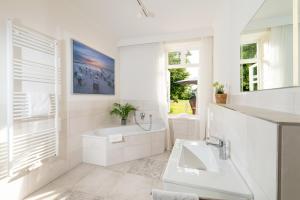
<point>146,106</point>
<point>253,148</point>
<point>85,115</point>
<point>285,100</point>
<point>184,127</point>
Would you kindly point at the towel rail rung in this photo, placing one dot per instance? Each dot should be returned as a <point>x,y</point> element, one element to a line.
<point>32,63</point>
<point>33,33</point>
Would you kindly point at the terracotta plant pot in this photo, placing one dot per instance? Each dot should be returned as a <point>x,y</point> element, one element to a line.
<point>221,98</point>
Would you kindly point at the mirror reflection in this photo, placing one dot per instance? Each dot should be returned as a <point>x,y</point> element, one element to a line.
<point>268,48</point>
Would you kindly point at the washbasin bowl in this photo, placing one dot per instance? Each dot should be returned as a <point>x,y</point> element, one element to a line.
<point>194,167</point>
<point>197,156</point>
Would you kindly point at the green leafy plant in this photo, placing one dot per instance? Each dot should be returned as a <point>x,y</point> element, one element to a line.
<point>179,91</point>
<point>122,111</point>
<point>219,88</point>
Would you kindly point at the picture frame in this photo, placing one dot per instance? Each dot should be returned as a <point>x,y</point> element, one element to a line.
<point>93,71</point>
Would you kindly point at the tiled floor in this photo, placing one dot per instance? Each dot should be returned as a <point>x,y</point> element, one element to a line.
<point>126,181</point>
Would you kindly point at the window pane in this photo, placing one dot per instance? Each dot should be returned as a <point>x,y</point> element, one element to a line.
<point>174,58</point>
<point>255,71</point>
<point>183,90</point>
<point>248,51</point>
<point>255,86</point>
<point>245,77</point>
<point>192,57</point>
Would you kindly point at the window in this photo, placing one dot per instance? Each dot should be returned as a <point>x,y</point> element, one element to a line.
<point>183,72</point>
<point>249,65</point>
<point>183,57</point>
<point>192,57</point>
<point>174,58</point>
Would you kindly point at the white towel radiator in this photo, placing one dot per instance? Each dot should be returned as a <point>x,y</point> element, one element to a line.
<point>32,66</point>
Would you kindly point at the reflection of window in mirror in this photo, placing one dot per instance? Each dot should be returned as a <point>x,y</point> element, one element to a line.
<point>269,47</point>
<point>249,66</point>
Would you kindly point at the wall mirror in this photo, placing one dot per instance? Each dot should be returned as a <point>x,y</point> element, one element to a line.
<point>269,47</point>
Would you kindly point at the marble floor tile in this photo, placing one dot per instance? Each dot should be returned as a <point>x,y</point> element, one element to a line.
<point>75,195</point>
<point>152,167</point>
<point>157,184</point>
<point>132,180</point>
<point>149,168</point>
<point>123,167</point>
<point>61,185</point>
<point>162,157</point>
<point>75,175</point>
<point>99,182</point>
<point>130,186</point>
<point>47,193</point>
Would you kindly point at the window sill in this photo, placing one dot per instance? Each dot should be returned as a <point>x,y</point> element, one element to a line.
<point>183,116</point>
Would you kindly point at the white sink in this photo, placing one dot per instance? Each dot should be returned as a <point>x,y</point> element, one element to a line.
<point>195,167</point>
<point>197,157</point>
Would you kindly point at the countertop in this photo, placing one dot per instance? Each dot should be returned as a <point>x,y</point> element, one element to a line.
<point>281,118</point>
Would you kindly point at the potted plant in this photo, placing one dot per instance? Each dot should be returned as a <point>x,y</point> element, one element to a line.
<point>220,95</point>
<point>122,111</point>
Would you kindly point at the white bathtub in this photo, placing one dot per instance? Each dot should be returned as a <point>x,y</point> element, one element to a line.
<point>137,143</point>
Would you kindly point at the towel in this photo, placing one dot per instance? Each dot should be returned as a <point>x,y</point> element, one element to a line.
<point>39,104</point>
<point>115,138</point>
<point>167,195</point>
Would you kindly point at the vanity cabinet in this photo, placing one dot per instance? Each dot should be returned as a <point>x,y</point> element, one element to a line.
<point>265,147</point>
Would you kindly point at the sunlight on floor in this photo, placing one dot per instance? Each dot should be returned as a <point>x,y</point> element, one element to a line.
<point>91,182</point>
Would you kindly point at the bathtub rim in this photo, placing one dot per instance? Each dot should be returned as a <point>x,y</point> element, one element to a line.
<point>135,133</point>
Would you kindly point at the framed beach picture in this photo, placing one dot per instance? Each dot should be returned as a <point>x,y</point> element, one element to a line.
<point>93,72</point>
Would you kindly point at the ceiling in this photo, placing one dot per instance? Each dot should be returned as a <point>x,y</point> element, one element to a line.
<point>274,9</point>
<point>170,16</point>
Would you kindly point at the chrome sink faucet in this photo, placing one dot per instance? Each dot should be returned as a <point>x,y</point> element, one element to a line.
<point>221,144</point>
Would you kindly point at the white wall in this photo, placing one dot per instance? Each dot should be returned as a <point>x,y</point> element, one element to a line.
<point>80,113</point>
<point>222,38</point>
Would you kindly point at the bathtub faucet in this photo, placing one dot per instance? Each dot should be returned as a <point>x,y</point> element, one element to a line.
<point>142,115</point>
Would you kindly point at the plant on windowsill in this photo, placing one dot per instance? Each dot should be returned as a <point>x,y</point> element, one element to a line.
<point>122,111</point>
<point>220,95</point>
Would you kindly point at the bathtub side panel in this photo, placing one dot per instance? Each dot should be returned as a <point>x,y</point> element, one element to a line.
<point>94,150</point>
<point>158,142</point>
<point>137,146</point>
<point>115,152</point>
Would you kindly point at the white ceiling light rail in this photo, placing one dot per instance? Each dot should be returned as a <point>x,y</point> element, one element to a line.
<point>144,10</point>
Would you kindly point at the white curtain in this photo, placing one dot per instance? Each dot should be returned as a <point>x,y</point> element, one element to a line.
<point>162,96</point>
<point>143,78</point>
<point>277,66</point>
<point>205,91</point>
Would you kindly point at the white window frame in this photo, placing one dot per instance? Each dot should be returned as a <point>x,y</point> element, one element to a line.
<point>182,65</point>
<point>183,51</point>
<point>257,64</point>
